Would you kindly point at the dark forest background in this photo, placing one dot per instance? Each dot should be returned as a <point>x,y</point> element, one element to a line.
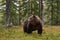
<point>14,12</point>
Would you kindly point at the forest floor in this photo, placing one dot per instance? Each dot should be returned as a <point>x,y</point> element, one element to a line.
<point>16,33</point>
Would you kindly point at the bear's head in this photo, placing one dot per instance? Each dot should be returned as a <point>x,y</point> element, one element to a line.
<point>33,19</point>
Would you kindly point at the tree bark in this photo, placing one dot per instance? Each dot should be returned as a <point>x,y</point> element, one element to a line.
<point>19,14</point>
<point>8,13</point>
<point>57,12</point>
<point>41,8</point>
<point>52,11</point>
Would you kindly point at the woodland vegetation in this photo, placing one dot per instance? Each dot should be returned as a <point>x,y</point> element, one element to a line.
<point>14,12</point>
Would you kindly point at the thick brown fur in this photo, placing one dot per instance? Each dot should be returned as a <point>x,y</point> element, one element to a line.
<point>32,23</point>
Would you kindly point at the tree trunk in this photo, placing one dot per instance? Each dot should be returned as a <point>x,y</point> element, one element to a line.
<point>30,6</point>
<point>57,12</point>
<point>19,14</point>
<point>8,13</point>
<point>41,8</point>
<point>52,9</point>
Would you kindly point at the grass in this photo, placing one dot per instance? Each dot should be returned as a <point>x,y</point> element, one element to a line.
<point>16,33</point>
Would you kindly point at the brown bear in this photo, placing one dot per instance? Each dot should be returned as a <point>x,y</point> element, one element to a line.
<point>32,23</point>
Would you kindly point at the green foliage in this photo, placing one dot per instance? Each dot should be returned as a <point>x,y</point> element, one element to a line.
<point>13,10</point>
<point>51,10</point>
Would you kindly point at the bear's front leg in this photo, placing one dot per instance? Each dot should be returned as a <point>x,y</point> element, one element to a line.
<point>29,29</point>
<point>39,29</point>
